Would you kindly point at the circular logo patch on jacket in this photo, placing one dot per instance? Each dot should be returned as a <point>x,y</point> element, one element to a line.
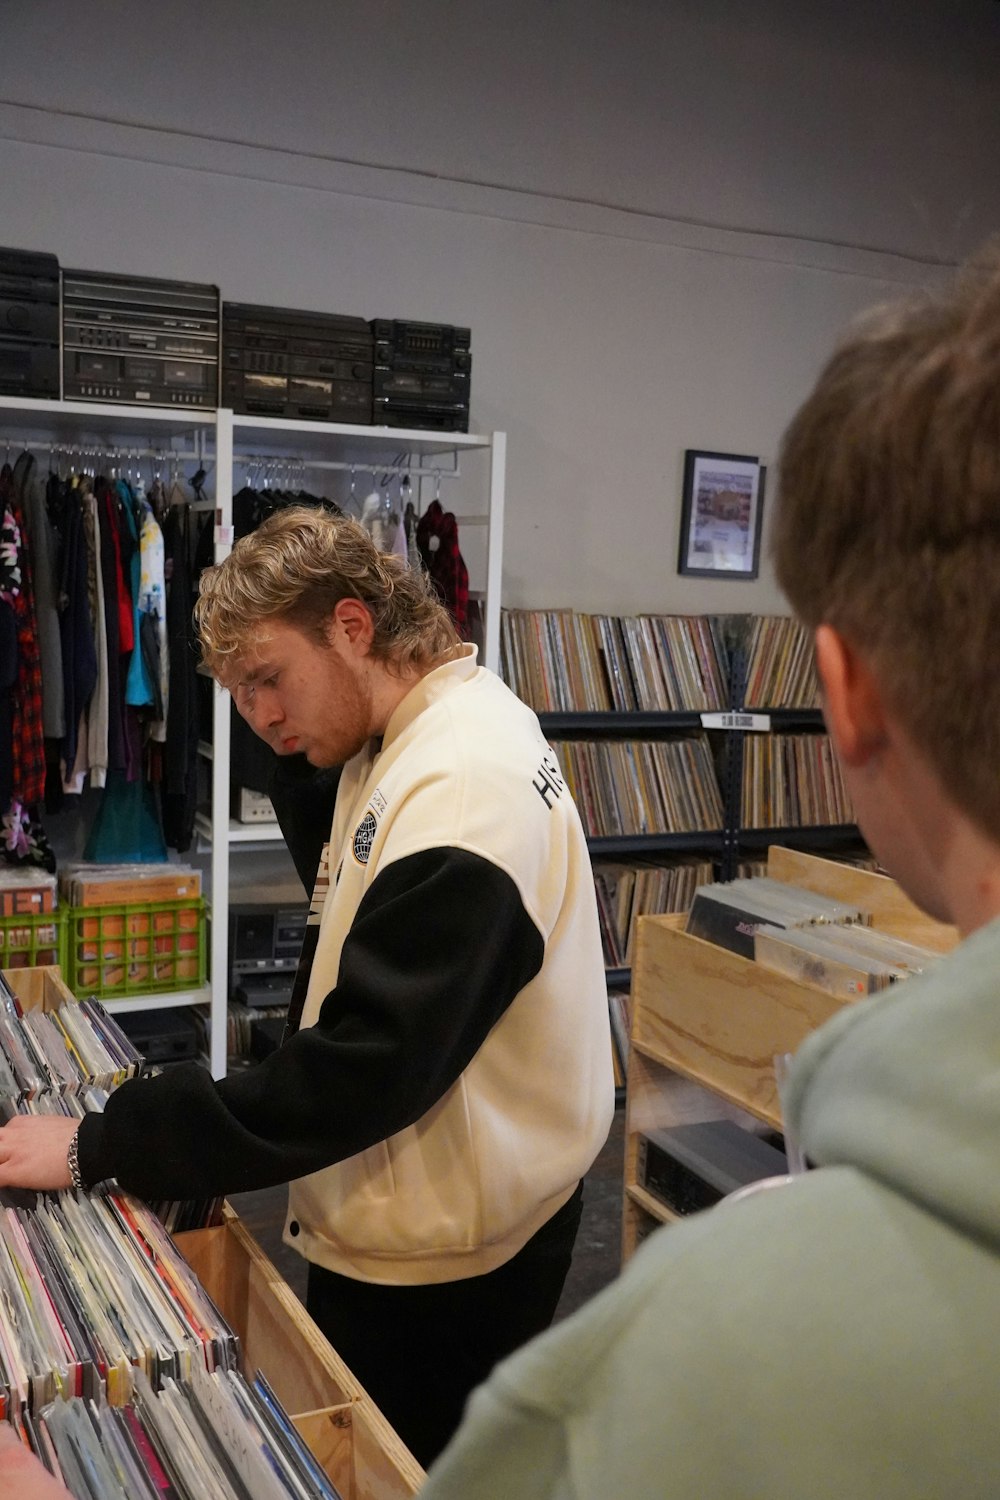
<point>364,836</point>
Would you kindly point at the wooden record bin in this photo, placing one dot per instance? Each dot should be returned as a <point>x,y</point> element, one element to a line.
<point>341,1424</point>
<point>41,988</point>
<point>707,1023</point>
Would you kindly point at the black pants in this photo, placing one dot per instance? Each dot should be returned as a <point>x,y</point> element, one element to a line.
<point>420,1350</point>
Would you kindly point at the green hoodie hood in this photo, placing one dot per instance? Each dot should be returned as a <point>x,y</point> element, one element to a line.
<point>906,1088</point>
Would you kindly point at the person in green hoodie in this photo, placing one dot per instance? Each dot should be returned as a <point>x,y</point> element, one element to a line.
<point>838,1337</point>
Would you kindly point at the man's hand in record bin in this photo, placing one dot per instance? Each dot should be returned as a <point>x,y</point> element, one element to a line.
<point>22,1475</point>
<point>33,1152</point>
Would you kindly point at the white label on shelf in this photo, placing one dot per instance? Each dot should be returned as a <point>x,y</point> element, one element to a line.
<point>224,535</point>
<point>759,722</point>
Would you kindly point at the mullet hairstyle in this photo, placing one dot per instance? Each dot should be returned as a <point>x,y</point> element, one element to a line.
<point>297,566</point>
<point>888,520</point>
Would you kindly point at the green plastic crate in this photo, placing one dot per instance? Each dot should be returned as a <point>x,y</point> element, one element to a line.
<point>31,939</point>
<point>139,949</point>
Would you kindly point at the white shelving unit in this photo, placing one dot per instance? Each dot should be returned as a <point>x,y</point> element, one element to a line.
<point>226,443</point>
<point>190,436</point>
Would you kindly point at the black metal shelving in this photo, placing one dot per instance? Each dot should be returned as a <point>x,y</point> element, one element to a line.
<point>619,726</point>
<point>644,845</point>
<point>818,836</point>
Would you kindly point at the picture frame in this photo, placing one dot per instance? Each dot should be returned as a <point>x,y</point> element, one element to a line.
<point>722,514</point>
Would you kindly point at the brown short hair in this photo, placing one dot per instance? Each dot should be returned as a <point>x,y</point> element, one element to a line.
<point>297,566</point>
<point>888,520</point>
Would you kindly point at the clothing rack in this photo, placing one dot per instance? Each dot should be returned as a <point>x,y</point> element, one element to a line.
<point>284,472</point>
<point>90,459</point>
<point>254,460</point>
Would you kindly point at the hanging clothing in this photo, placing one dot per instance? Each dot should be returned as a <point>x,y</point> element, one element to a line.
<point>139,684</point>
<point>8,680</point>
<point>178,791</point>
<point>10,557</point>
<point>37,493</point>
<point>437,538</point>
<point>28,730</point>
<point>98,711</point>
<point>153,620</point>
<point>399,546</point>
<point>111,581</point>
<point>75,624</point>
<point>410,527</point>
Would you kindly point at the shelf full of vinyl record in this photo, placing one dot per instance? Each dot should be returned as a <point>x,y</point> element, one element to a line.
<point>150,1349</point>
<point>690,744</point>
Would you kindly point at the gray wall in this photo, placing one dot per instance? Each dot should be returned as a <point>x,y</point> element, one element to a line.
<point>654,214</point>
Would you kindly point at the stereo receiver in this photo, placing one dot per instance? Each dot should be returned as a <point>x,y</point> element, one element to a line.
<point>284,362</point>
<point>138,339</point>
<point>422,374</point>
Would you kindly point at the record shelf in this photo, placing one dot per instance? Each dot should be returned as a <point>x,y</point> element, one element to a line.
<point>559,657</point>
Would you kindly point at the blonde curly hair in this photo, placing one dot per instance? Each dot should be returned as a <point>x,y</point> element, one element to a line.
<point>297,566</point>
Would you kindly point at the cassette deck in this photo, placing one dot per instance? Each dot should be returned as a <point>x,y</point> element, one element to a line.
<point>142,340</point>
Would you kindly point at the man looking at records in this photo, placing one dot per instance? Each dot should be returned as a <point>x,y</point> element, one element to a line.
<point>447,1077</point>
<point>838,1336</point>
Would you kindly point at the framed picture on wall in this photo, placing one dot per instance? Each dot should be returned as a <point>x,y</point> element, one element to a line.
<point>721,514</point>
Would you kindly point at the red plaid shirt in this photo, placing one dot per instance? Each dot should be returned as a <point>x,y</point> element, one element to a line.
<point>444,562</point>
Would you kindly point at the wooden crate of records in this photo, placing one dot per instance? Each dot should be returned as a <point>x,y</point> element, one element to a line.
<point>338,1420</point>
<point>707,1023</point>
<point>39,988</point>
<point>720,1019</point>
<point>358,1449</point>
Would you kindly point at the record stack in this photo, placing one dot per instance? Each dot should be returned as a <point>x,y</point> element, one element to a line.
<point>118,1371</point>
<point>625,788</point>
<point>781,670</point>
<point>627,892</point>
<point>559,661</point>
<point>793,781</point>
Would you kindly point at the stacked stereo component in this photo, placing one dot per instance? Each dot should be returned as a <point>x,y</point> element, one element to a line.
<point>423,373</point>
<point>148,341</point>
<point>29,324</point>
<point>142,340</point>
<point>282,362</point>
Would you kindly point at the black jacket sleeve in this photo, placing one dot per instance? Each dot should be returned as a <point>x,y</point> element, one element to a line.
<point>440,946</point>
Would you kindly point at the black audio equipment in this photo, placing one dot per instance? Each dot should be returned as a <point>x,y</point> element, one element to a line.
<point>283,362</point>
<point>264,944</point>
<point>29,323</point>
<point>690,1167</point>
<point>423,373</point>
<point>140,340</point>
<point>265,991</point>
<point>162,1036</point>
